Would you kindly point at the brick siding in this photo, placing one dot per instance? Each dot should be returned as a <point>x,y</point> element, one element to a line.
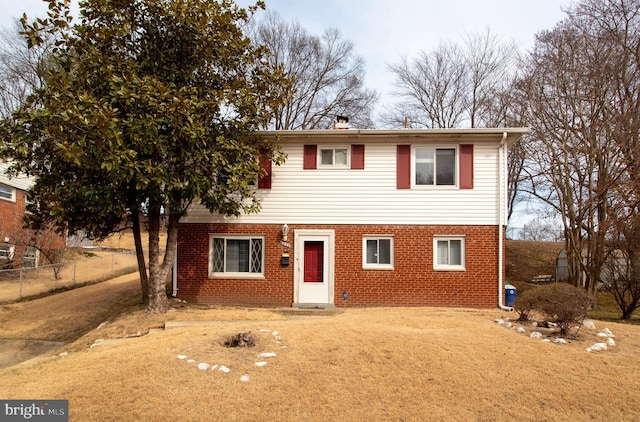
<point>12,228</point>
<point>412,282</point>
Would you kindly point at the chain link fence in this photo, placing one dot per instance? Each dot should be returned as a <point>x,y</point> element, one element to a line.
<point>18,284</point>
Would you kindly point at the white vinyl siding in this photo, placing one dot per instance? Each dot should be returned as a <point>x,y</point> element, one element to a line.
<point>370,196</point>
<point>20,182</point>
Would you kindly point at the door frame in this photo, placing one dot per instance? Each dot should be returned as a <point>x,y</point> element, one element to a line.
<point>300,236</point>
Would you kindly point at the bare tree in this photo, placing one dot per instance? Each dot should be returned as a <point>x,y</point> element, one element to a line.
<point>618,22</point>
<point>542,229</point>
<point>22,69</point>
<point>328,78</point>
<point>582,84</point>
<point>455,84</point>
<point>431,89</point>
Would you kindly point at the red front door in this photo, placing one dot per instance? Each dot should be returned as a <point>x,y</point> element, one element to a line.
<point>313,261</point>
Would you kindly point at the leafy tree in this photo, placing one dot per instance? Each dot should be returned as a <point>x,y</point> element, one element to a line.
<point>149,106</point>
<point>327,77</point>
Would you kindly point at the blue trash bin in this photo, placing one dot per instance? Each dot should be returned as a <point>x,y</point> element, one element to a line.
<point>510,292</point>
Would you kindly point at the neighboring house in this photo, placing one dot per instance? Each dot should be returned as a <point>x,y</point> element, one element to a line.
<point>361,218</point>
<point>20,247</point>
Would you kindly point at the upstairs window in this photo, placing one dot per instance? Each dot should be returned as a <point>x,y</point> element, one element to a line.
<point>434,166</point>
<point>337,157</point>
<point>8,193</point>
<point>334,157</point>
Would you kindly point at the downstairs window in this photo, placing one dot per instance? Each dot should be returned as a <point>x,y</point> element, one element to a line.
<point>236,256</point>
<point>448,253</point>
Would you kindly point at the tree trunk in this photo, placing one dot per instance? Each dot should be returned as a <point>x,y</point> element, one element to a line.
<point>634,281</point>
<point>158,302</point>
<point>142,265</point>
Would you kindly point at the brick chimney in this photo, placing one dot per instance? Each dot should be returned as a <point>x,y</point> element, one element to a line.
<point>342,122</point>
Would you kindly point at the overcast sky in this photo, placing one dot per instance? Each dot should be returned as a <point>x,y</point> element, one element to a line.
<point>384,31</point>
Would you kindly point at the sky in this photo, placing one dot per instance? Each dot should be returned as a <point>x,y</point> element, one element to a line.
<point>385,31</point>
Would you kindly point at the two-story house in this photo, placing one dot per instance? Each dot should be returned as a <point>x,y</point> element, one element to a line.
<point>21,247</point>
<point>13,199</point>
<point>361,218</point>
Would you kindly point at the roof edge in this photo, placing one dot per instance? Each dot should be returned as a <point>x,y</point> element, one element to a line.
<point>493,134</point>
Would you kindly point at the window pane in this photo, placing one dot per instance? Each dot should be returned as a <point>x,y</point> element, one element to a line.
<point>372,251</point>
<point>424,165</point>
<point>424,154</point>
<point>256,255</point>
<point>6,192</point>
<point>443,252</point>
<point>326,156</point>
<point>424,173</point>
<point>217,258</point>
<point>341,156</point>
<point>455,252</point>
<point>445,166</point>
<point>237,257</point>
<point>384,251</point>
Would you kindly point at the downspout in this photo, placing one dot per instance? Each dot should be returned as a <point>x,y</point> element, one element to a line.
<point>501,212</point>
<point>174,275</point>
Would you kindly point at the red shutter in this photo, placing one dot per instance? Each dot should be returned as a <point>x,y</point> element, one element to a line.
<point>403,168</point>
<point>466,166</point>
<point>310,157</point>
<point>357,157</point>
<point>264,182</point>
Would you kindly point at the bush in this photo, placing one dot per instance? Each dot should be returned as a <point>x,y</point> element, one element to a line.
<point>561,303</point>
<point>525,303</point>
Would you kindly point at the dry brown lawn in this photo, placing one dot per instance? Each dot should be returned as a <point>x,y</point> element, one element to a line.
<point>82,267</point>
<point>400,364</point>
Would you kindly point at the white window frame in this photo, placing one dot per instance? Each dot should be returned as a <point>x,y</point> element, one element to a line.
<point>377,266</point>
<point>31,254</point>
<point>456,155</point>
<point>449,267</point>
<point>333,165</point>
<point>236,274</point>
<point>8,193</point>
<point>6,251</point>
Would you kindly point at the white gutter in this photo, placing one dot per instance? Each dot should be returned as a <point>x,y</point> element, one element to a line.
<point>502,195</point>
